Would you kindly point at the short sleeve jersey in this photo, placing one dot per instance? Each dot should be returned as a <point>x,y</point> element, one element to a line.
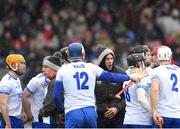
<point>169,96</point>
<point>78,80</point>
<point>12,87</point>
<point>37,87</point>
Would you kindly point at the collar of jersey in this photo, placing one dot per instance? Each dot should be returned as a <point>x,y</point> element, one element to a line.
<point>76,60</point>
<point>12,76</point>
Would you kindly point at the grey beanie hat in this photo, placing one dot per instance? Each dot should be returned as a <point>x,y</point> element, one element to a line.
<point>102,51</point>
<point>52,62</point>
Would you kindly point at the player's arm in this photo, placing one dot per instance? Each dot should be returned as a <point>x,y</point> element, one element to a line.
<point>58,95</point>
<point>142,98</point>
<point>155,85</point>
<point>26,104</point>
<point>116,77</point>
<point>4,109</point>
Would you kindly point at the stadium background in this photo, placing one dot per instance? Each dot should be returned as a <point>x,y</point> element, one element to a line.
<point>37,28</point>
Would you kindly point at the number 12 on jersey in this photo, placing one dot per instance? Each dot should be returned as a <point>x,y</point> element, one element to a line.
<point>84,77</point>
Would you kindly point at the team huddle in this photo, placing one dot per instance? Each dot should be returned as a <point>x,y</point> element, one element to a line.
<point>72,89</point>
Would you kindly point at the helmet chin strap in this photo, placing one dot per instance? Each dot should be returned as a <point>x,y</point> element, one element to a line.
<point>15,69</point>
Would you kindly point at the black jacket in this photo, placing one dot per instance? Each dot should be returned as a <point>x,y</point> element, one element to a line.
<point>105,94</point>
<point>49,107</point>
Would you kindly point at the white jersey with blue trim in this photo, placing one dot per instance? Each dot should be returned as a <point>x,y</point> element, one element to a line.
<point>135,113</point>
<point>12,87</point>
<point>169,95</point>
<point>78,80</point>
<point>37,87</point>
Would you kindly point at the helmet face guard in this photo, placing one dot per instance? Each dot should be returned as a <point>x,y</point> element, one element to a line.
<point>76,51</point>
<point>142,49</point>
<point>136,60</point>
<point>64,52</point>
<point>14,59</point>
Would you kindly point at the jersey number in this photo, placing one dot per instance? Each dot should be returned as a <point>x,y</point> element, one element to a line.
<point>127,95</point>
<point>174,79</point>
<point>82,75</point>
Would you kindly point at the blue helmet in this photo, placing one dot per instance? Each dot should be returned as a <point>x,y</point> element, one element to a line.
<point>76,50</point>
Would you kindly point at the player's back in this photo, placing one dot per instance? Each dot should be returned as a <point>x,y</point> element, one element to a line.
<point>135,113</point>
<point>79,82</point>
<point>169,100</point>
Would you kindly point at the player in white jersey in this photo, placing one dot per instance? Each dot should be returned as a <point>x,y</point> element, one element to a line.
<point>136,115</point>
<point>142,91</point>
<point>155,62</point>
<point>143,49</point>
<point>11,93</point>
<point>36,90</point>
<point>165,96</point>
<point>77,81</point>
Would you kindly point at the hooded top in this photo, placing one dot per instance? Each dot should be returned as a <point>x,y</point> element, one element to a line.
<point>102,51</point>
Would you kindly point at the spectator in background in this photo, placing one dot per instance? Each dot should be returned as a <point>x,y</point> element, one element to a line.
<point>48,25</point>
<point>110,110</point>
<point>11,93</point>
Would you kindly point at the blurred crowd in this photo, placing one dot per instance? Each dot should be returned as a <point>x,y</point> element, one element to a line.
<point>37,28</point>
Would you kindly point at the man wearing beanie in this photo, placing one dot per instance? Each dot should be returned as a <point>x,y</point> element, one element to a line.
<point>110,110</point>
<point>49,108</point>
<point>36,91</point>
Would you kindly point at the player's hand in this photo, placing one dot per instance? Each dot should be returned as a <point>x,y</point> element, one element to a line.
<point>157,118</point>
<point>135,79</point>
<point>111,112</point>
<point>61,118</point>
<point>8,126</point>
<point>24,117</point>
